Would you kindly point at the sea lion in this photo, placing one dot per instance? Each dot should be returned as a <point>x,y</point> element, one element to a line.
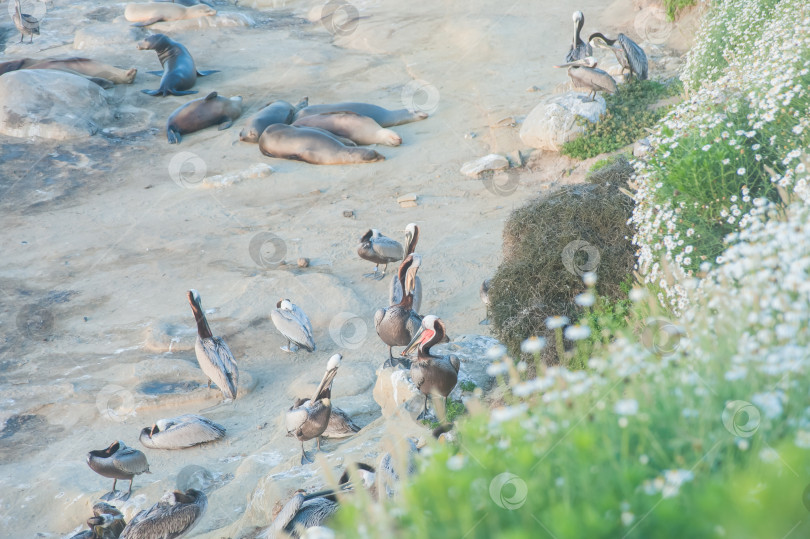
<point>275,112</point>
<point>78,66</point>
<point>152,12</point>
<point>357,128</point>
<point>188,3</point>
<point>179,72</point>
<point>312,146</point>
<point>384,117</point>
<point>201,113</point>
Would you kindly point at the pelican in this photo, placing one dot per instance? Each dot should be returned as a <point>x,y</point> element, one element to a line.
<point>628,53</point>
<point>584,74</point>
<point>432,374</point>
<point>395,289</point>
<point>579,49</point>
<point>484,293</point>
<point>181,432</point>
<point>173,516</point>
<point>340,425</point>
<point>388,472</point>
<point>107,522</point>
<point>379,249</point>
<point>213,355</point>
<point>396,325</point>
<point>25,23</point>
<point>308,418</point>
<point>291,322</point>
<point>118,462</point>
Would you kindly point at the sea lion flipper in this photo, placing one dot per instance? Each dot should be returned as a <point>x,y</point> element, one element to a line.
<point>183,92</point>
<point>151,92</point>
<point>210,96</point>
<point>153,20</point>
<point>302,104</point>
<point>207,72</point>
<point>225,125</point>
<point>173,135</point>
<point>158,73</point>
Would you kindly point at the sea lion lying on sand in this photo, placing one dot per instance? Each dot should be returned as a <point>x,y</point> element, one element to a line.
<point>312,145</point>
<point>204,112</point>
<point>78,66</point>
<point>275,112</point>
<point>152,12</point>
<point>384,117</point>
<point>360,129</point>
<point>188,3</point>
<point>179,72</point>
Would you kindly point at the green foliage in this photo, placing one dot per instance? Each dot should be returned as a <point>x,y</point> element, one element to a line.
<point>455,409</point>
<point>467,386</point>
<point>672,7</point>
<point>611,159</point>
<point>628,112</point>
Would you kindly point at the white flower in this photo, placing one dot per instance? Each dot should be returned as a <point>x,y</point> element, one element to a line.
<point>623,422</point>
<point>532,345</point>
<point>455,463</point>
<point>586,299</point>
<point>628,518</point>
<point>626,407</point>
<point>707,147</point>
<point>740,171</point>
<point>555,322</point>
<point>577,333</point>
<point>802,439</point>
<point>768,455</point>
<point>638,294</point>
<point>589,278</point>
<point>496,352</point>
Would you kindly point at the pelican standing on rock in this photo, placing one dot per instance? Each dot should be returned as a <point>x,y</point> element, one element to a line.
<point>294,324</point>
<point>628,53</point>
<point>173,516</point>
<point>118,462</point>
<point>395,290</point>
<point>308,418</point>
<point>25,23</point>
<point>213,355</point>
<point>107,522</point>
<point>584,74</point>
<point>397,324</point>
<point>432,374</point>
<point>579,49</point>
<point>379,249</point>
<point>181,432</point>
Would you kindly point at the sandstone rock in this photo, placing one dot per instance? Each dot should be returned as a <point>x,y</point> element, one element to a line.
<point>552,123</point>
<point>104,35</point>
<point>220,20</point>
<point>492,161</point>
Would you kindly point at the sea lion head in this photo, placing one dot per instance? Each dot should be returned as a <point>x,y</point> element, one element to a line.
<point>153,42</point>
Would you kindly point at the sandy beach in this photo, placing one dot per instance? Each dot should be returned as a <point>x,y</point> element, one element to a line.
<point>103,236</point>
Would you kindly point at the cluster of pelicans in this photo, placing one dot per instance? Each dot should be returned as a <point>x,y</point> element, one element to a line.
<point>309,418</point>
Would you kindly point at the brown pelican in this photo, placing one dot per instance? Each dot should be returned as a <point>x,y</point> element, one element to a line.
<point>25,23</point>
<point>388,470</point>
<point>118,462</point>
<point>308,418</point>
<point>340,425</point>
<point>579,49</point>
<point>395,290</point>
<point>484,293</point>
<point>628,53</point>
<point>213,355</point>
<point>291,322</point>
<point>584,74</point>
<point>173,516</point>
<point>432,374</point>
<point>107,522</point>
<point>396,325</point>
<point>379,249</point>
<point>181,432</point>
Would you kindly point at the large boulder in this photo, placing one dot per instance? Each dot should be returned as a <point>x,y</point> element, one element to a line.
<point>556,121</point>
<point>104,35</point>
<point>50,104</point>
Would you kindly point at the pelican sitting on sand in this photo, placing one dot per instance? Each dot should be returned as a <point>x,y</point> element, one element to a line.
<point>25,23</point>
<point>584,74</point>
<point>432,374</point>
<point>579,49</point>
<point>379,249</point>
<point>107,522</point>
<point>395,289</point>
<point>213,355</point>
<point>181,432</point>
<point>628,53</point>
<point>397,324</point>
<point>173,516</point>
<point>294,324</point>
<point>118,462</point>
<point>308,418</point>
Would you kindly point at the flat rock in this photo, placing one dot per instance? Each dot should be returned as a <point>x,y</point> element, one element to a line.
<point>104,35</point>
<point>259,170</point>
<point>552,123</point>
<point>51,104</point>
<point>169,336</point>
<point>220,20</point>
<point>395,393</point>
<point>492,161</point>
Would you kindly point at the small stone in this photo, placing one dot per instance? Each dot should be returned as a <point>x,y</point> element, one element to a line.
<point>348,213</point>
<point>470,135</point>
<point>509,121</point>
<point>303,262</point>
<point>406,198</point>
<point>492,161</point>
<point>408,204</point>
<point>533,89</point>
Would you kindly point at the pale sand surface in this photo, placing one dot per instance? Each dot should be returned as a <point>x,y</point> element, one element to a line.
<point>99,237</point>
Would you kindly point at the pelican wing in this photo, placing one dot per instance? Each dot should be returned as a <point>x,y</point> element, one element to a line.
<point>385,247</point>
<point>395,292</point>
<point>303,318</point>
<point>129,460</point>
<point>293,328</point>
<point>284,517</point>
<point>413,324</point>
<point>164,521</point>
<point>340,425</point>
<point>312,513</point>
<point>218,364</point>
<point>296,417</point>
<point>188,430</point>
<point>636,58</point>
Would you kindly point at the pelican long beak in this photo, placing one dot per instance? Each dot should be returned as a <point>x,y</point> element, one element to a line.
<point>588,61</point>
<point>417,339</point>
<point>153,429</point>
<point>326,382</point>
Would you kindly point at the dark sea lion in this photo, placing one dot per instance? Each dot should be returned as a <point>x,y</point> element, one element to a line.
<point>152,12</point>
<point>201,113</point>
<point>78,66</point>
<point>357,128</point>
<point>276,112</point>
<point>312,146</point>
<point>384,117</point>
<point>179,72</point>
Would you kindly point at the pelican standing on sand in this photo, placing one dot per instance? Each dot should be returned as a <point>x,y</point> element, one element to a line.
<point>181,432</point>
<point>397,324</point>
<point>308,418</point>
<point>294,324</point>
<point>173,516</point>
<point>25,23</point>
<point>395,290</point>
<point>432,374</point>
<point>118,462</point>
<point>107,522</point>
<point>379,249</point>
<point>584,74</point>
<point>213,355</point>
<point>579,49</point>
<point>628,53</point>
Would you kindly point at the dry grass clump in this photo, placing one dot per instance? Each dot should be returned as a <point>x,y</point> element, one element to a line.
<point>616,171</point>
<point>548,245</point>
